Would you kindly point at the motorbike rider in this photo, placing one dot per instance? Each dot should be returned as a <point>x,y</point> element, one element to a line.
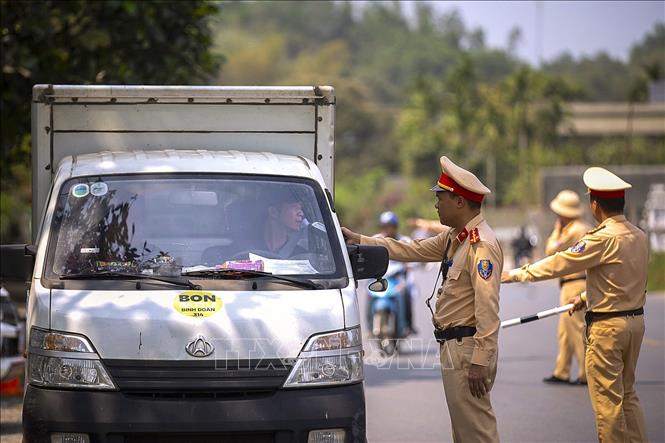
<point>389,225</point>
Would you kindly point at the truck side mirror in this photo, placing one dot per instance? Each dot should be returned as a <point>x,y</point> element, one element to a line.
<point>17,262</point>
<point>368,261</point>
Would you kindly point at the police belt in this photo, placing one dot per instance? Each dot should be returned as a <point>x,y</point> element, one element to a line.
<point>563,281</point>
<point>591,316</point>
<point>455,332</point>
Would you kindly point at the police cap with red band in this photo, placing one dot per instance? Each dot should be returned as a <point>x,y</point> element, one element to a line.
<point>604,184</point>
<point>460,181</point>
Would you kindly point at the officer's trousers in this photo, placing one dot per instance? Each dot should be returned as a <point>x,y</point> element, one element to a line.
<point>613,346</point>
<point>472,418</point>
<point>571,333</point>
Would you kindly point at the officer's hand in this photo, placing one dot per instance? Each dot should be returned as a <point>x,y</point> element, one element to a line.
<point>578,304</point>
<point>505,277</point>
<point>479,380</point>
<point>350,237</point>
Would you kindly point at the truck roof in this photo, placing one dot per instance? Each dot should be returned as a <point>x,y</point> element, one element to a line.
<point>174,94</point>
<point>199,160</point>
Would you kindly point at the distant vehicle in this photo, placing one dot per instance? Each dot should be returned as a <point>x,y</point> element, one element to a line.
<point>12,362</point>
<point>523,244</point>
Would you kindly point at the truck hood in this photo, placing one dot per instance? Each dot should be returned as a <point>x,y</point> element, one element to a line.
<point>158,325</point>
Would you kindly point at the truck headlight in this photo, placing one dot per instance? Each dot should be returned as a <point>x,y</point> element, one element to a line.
<point>329,359</point>
<point>58,359</point>
<point>348,338</point>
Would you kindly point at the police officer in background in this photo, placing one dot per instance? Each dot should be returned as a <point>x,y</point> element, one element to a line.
<point>614,255</point>
<point>466,318</point>
<point>568,229</point>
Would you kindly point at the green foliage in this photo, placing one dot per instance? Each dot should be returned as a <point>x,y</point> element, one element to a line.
<point>481,126</point>
<point>601,77</point>
<point>16,196</point>
<point>606,79</point>
<point>81,42</point>
<point>656,277</point>
<point>649,56</point>
<point>355,197</point>
<point>410,88</point>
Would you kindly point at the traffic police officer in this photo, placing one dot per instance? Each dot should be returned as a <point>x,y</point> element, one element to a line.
<point>466,317</point>
<point>568,229</point>
<point>615,256</point>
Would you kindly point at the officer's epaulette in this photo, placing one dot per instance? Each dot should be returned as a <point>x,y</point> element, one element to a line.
<point>594,230</point>
<point>474,236</point>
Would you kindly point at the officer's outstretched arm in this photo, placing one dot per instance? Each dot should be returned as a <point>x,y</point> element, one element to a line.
<point>429,249</point>
<point>585,254</point>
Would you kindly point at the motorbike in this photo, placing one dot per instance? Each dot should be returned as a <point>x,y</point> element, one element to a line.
<point>388,309</point>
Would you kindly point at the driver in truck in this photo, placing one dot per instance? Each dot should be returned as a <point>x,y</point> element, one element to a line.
<point>282,229</point>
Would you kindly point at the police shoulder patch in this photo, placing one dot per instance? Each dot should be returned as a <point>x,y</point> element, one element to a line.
<point>578,247</point>
<point>485,268</point>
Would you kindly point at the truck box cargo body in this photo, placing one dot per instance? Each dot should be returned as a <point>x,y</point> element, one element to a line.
<point>190,278</point>
<point>74,120</point>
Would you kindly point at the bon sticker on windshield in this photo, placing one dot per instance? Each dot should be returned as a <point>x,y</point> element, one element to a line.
<point>197,303</point>
<point>80,190</point>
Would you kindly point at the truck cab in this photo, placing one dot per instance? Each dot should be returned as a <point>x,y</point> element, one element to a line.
<point>185,290</point>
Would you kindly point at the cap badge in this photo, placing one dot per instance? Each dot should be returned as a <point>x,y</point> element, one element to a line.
<point>485,269</point>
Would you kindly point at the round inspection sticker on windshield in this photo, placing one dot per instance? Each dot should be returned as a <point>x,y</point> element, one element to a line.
<point>80,190</point>
<point>98,189</point>
<point>197,303</point>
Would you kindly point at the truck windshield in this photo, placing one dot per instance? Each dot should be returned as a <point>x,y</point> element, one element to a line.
<point>180,224</point>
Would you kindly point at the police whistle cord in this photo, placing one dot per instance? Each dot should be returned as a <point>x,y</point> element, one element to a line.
<point>536,316</point>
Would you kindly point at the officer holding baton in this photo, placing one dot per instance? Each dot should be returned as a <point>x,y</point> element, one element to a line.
<point>615,256</point>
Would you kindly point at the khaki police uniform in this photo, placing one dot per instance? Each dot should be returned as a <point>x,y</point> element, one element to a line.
<point>615,256</point>
<point>468,297</point>
<point>571,327</point>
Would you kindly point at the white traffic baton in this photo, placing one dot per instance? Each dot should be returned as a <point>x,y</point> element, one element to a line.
<point>536,316</point>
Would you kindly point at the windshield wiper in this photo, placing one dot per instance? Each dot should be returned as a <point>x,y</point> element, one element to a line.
<point>131,276</point>
<point>252,274</point>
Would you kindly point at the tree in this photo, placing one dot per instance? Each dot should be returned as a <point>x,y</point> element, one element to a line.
<point>123,42</point>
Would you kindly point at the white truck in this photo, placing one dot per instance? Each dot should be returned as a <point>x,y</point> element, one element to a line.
<point>189,280</point>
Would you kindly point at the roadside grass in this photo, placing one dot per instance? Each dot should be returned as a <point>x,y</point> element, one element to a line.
<point>656,277</point>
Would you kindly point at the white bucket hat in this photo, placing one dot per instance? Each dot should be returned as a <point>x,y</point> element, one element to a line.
<point>567,204</point>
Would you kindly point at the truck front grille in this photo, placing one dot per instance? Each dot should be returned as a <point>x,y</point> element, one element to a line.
<point>200,438</point>
<point>205,379</point>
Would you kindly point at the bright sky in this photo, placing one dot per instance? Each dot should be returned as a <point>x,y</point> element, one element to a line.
<point>553,27</point>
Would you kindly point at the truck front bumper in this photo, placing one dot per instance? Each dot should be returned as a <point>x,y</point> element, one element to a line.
<point>113,417</point>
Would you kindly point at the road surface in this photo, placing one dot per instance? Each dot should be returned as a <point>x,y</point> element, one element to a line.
<point>404,395</point>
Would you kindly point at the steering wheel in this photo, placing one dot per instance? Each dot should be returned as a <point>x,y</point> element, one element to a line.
<point>214,255</point>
